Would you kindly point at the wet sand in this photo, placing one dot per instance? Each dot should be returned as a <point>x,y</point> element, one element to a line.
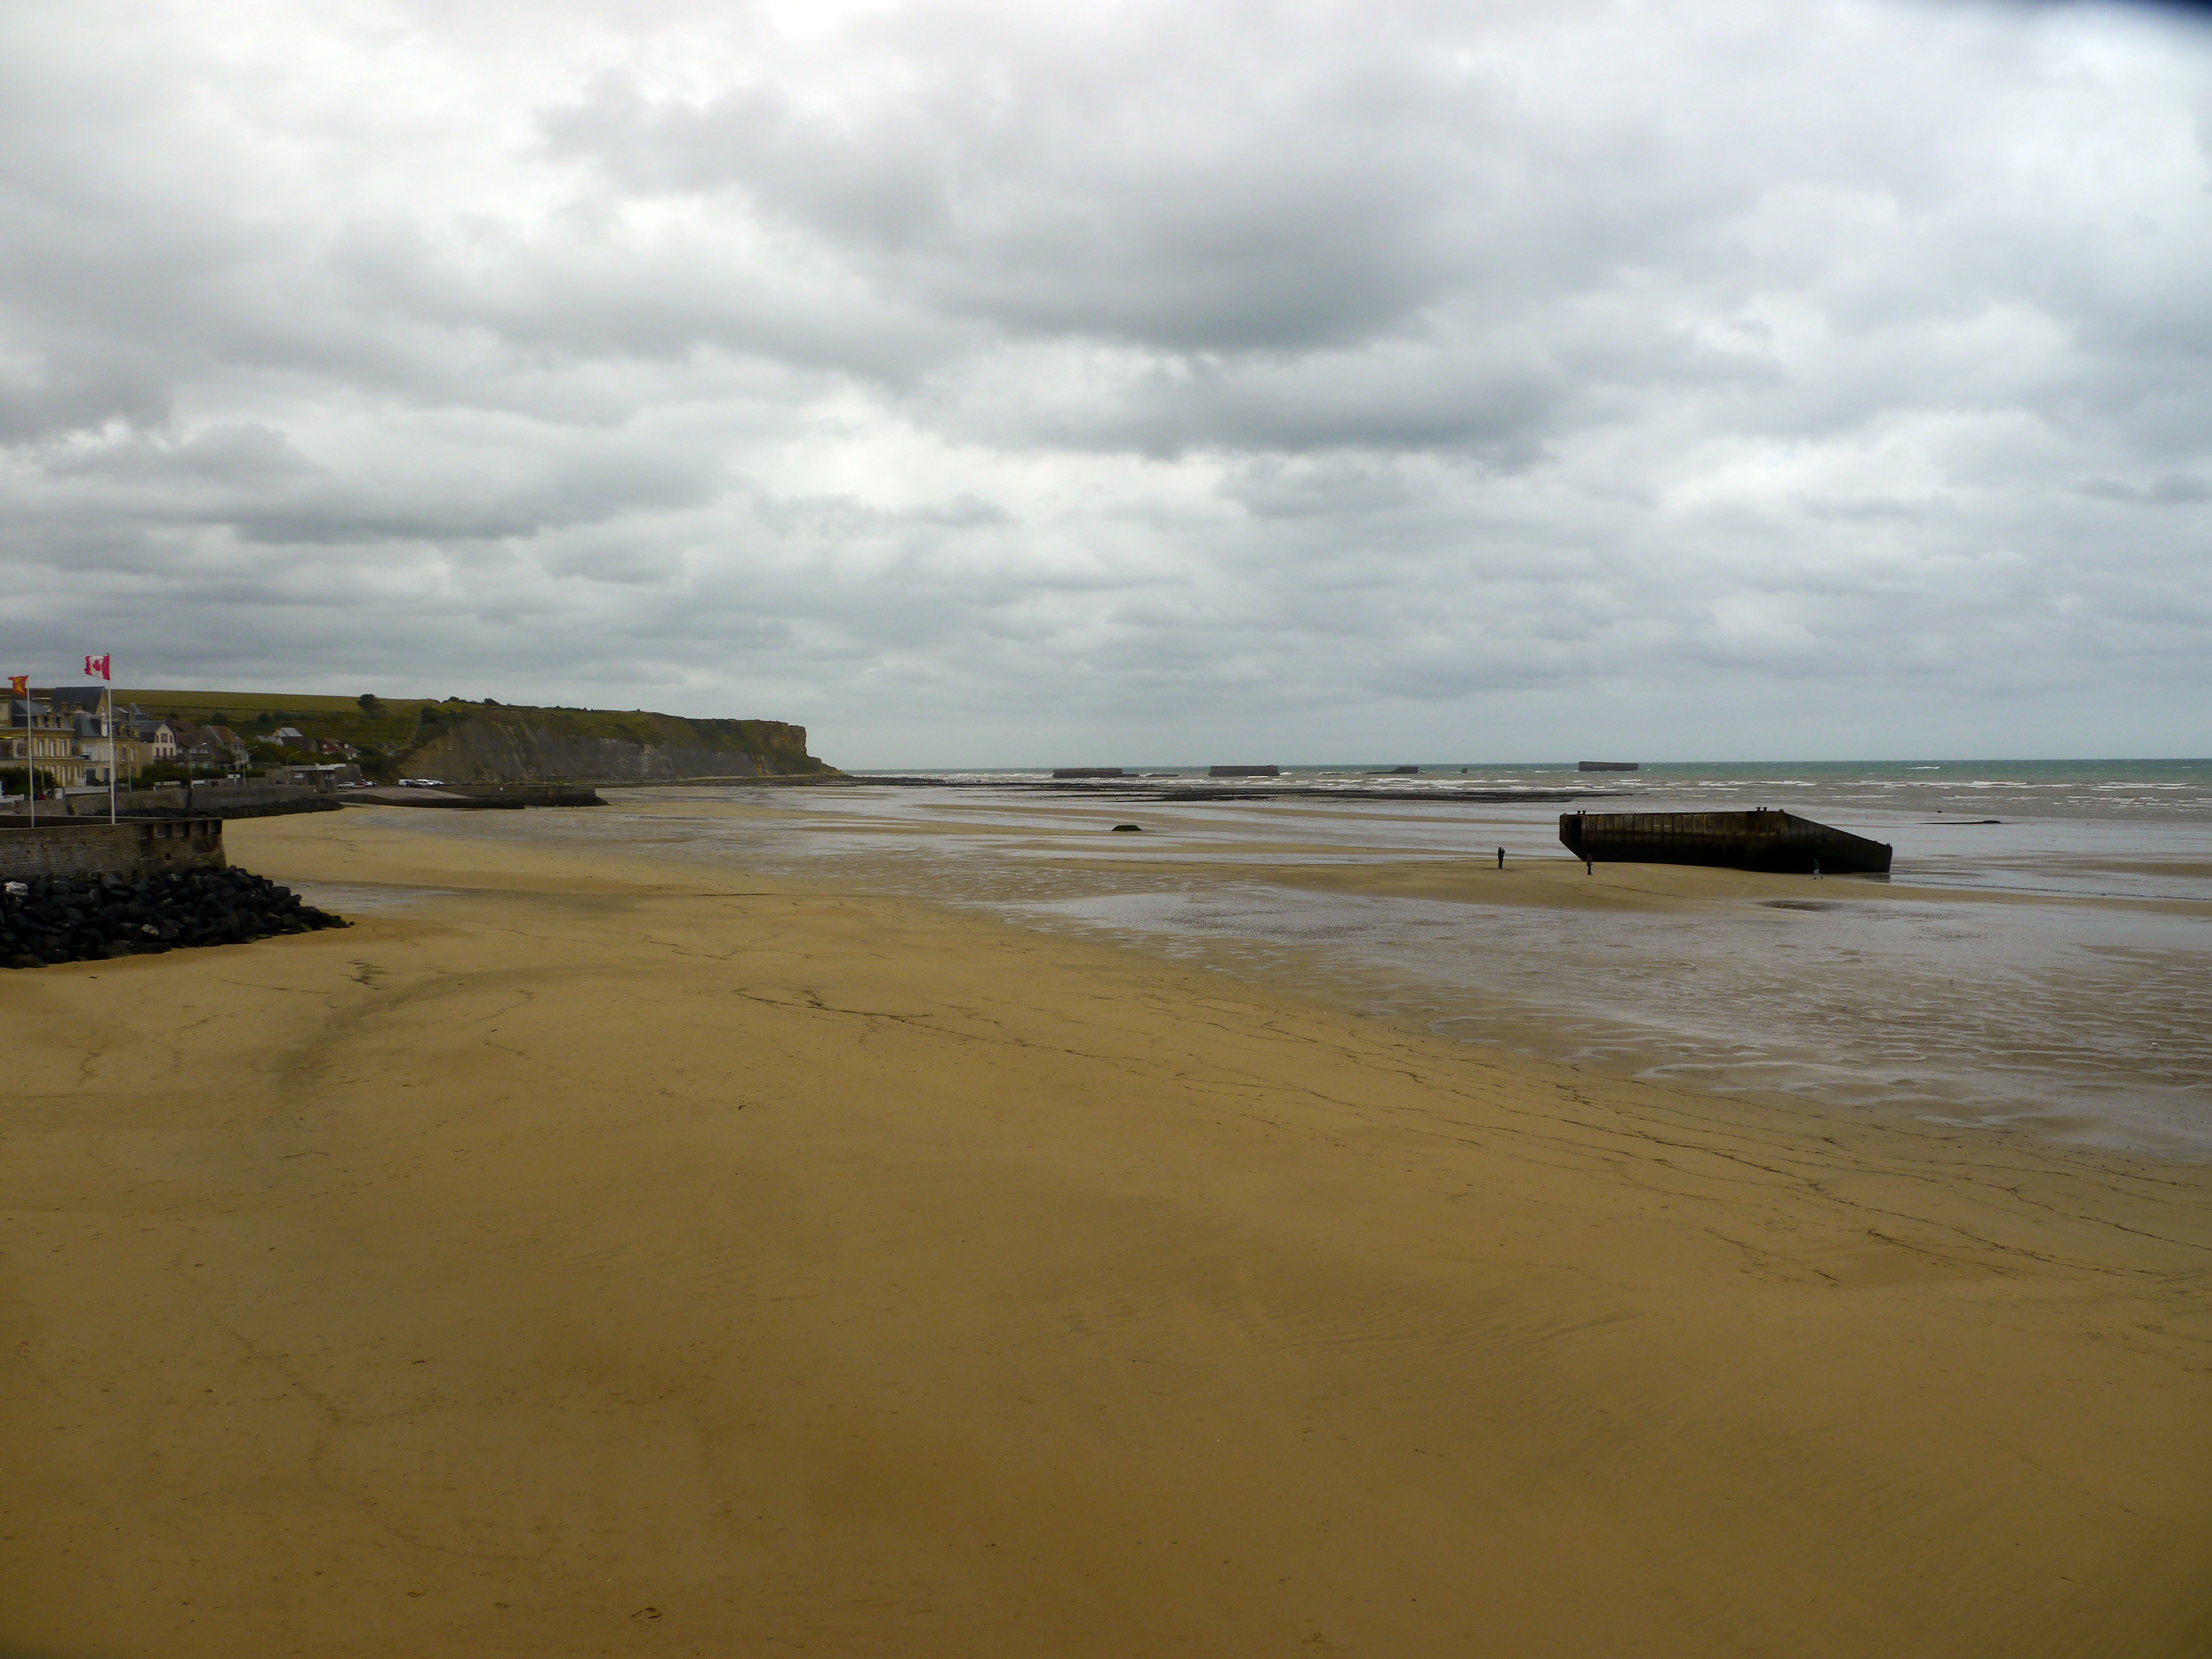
<point>2059,985</point>
<point>609,1256</point>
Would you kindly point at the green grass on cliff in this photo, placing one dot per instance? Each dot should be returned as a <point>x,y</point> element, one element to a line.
<point>399,724</point>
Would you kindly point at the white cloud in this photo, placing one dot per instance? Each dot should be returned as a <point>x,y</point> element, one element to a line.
<point>979,382</point>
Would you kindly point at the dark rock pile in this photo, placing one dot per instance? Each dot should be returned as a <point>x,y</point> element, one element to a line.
<point>59,920</point>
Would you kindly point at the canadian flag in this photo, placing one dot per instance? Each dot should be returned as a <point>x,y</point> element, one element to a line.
<point>97,666</point>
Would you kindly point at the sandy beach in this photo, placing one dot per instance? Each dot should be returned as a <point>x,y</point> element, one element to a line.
<point>598,1254</point>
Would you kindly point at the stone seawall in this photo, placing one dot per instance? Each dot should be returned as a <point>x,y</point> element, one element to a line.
<point>132,849</point>
<point>204,800</point>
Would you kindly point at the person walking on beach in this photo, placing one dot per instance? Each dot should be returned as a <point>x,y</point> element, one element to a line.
<point>1501,858</point>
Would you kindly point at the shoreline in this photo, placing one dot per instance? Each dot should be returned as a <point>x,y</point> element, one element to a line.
<point>613,1254</point>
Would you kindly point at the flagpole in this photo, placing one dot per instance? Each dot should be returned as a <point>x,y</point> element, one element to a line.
<point>114,749</point>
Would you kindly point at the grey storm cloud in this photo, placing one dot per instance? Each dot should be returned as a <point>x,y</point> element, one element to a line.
<point>980,382</point>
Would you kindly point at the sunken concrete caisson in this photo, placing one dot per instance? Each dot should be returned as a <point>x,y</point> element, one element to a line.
<point>1779,842</point>
<point>58,919</point>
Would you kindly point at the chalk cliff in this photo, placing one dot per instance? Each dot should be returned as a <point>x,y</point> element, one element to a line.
<point>461,742</point>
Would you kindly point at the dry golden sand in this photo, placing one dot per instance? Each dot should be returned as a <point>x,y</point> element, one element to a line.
<point>621,1258</point>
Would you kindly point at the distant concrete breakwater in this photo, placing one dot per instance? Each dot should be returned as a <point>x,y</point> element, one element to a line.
<point>474,796</point>
<point>1273,788</point>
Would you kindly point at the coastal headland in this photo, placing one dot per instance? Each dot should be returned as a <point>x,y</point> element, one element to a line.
<point>589,1253</point>
<point>461,740</point>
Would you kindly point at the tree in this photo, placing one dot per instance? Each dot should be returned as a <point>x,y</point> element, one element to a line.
<point>11,780</point>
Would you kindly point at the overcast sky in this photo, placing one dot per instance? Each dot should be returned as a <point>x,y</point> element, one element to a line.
<point>1197,381</point>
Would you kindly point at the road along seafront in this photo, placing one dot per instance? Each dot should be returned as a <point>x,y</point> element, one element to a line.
<point>589,1253</point>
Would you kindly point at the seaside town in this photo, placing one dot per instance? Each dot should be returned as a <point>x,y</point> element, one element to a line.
<point>72,741</point>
